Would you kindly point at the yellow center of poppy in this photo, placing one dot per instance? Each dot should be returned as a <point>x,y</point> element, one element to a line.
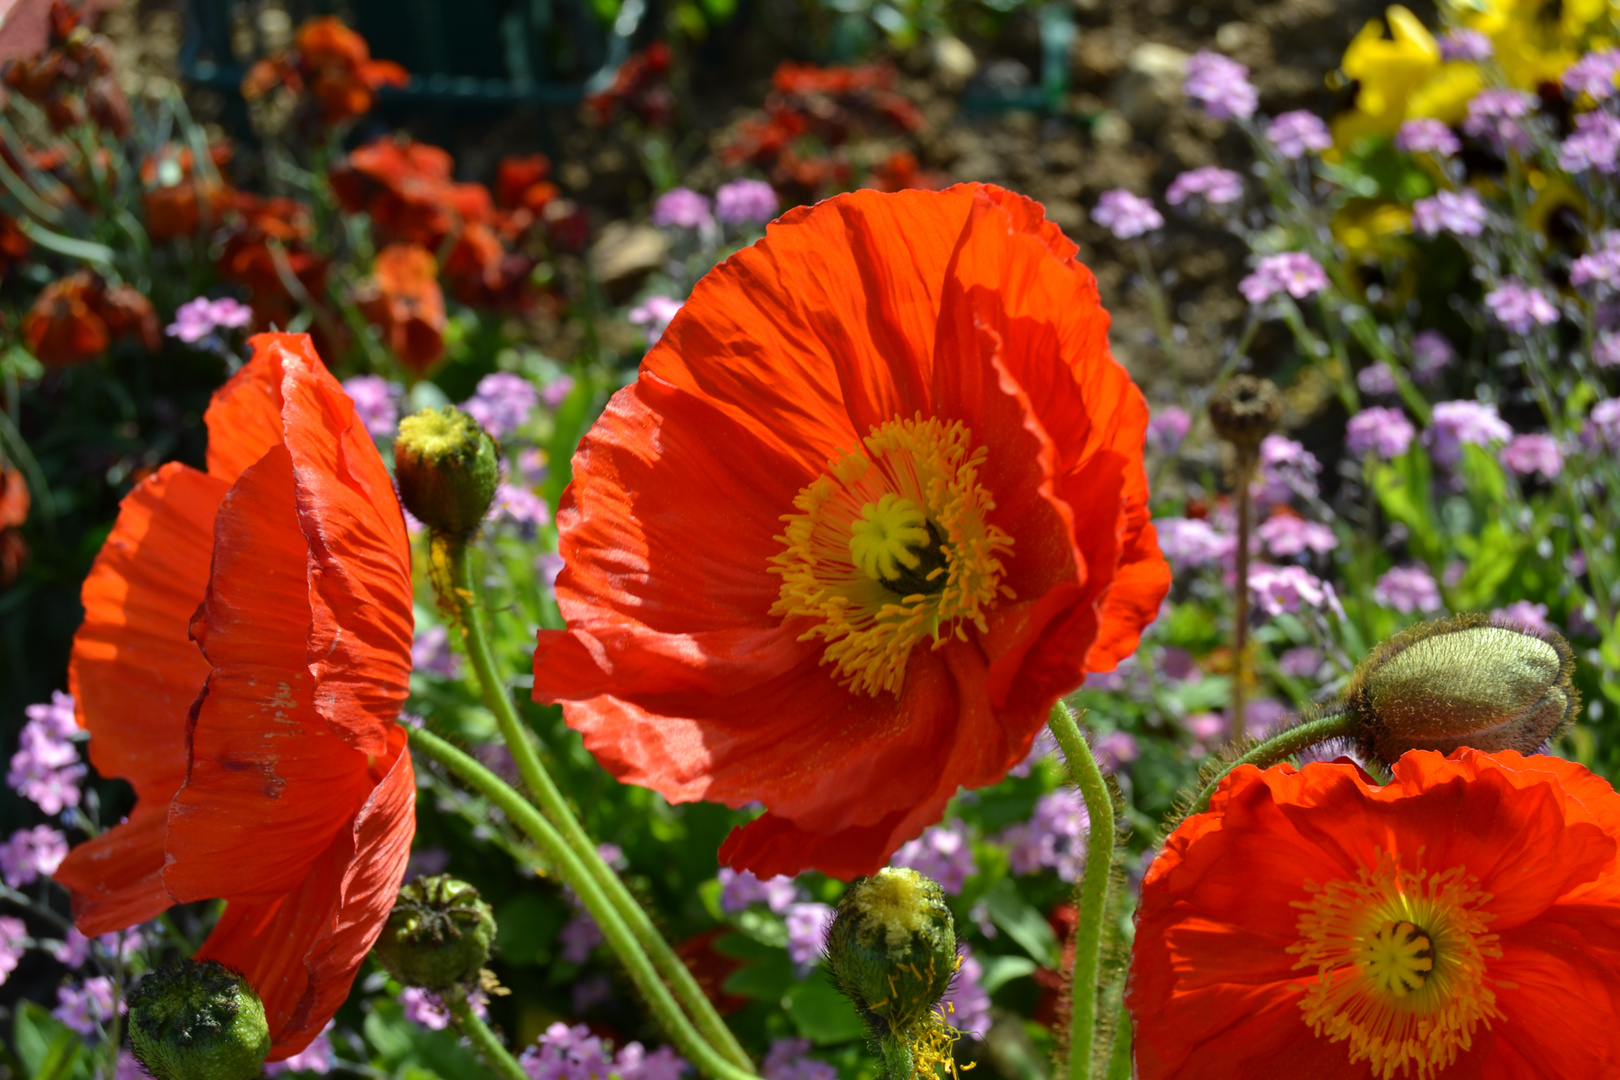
<point>1401,972</point>
<point>892,545</point>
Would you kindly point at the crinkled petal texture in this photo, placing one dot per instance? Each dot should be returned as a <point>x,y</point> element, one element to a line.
<point>244,655</point>
<point>1215,993</point>
<point>963,306</point>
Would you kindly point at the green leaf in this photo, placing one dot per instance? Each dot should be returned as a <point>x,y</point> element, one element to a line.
<point>766,979</point>
<point>84,250</point>
<point>1012,913</point>
<point>820,1012</point>
<point>573,417</point>
<point>1001,970</point>
<point>49,1049</point>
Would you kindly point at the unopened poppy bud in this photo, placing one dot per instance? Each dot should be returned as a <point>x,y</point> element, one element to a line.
<point>438,935</point>
<point>1465,681</point>
<point>1244,411</point>
<point>447,467</point>
<point>892,949</point>
<point>198,1021</point>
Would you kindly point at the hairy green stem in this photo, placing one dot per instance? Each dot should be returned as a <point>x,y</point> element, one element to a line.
<point>1283,744</point>
<point>484,1041</point>
<point>453,577</point>
<point>569,867</point>
<point>1088,935</point>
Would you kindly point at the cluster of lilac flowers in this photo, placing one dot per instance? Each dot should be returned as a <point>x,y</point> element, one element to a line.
<point>431,653</point>
<point>654,315</point>
<point>1460,213</point>
<point>1427,136</point>
<point>1286,535</point>
<point>1221,86</point>
<point>1126,215</point>
<point>942,852</point>
<point>1495,115</point>
<point>1280,590</point>
<point>1470,46</point>
<point>1455,424</point>
<point>1408,589</point>
<point>376,403</point>
<point>1054,838</point>
<point>1291,272</point>
<point>788,1059</point>
<point>745,202</point>
<point>967,1004</point>
<point>740,890</point>
<point>1536,452</point>
<point>1287,469</point>
<point>682,208</point>
<point>203,318</point>
<point>1520,307</point>
<point>85,1007</point>
<point>427,1009</point>
<point>31,854</point>
<point>13,943</point>
<point>1167,428</point>
<point>46,767</point>
<point>807,925</point>
<point>1593,74</point>
<point>520,506</point>
<point>1599,266</point>
<point>1431,354</point>
<point>1298,133</point>
<point>1379,430</point>
<point>1213,184</point>
<point>503,403</point>
<point>1594,144</point>
<point>1192,542</point>
<point>318,1057</point>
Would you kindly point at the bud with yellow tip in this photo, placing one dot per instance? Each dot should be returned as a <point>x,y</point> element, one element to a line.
<point>447,467</point>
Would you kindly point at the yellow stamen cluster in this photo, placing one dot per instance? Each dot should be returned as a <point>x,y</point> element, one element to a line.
<point>893,544</point>
<point>1400,958</point>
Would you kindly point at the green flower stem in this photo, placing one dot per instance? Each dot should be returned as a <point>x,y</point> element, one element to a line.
<point>1240,615</point>
<point>453,577</point>
<point>1283,744</point>
<point>1088,934</point>
<point>664,1007</point>
<point>484,1041</point>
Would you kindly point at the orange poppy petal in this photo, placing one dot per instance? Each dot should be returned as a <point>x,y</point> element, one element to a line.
<point>244,416</point>
<point>301,951</point>
<point>267,785</point>
<point>1544,966</point>
<point>359,563</point>
<point>117,878</point>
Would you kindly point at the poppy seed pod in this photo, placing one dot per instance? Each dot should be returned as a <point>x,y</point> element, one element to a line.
<point>198,1021</point>
<point>1245,410</point>
<point>892,949</point>
<point>447,467</point>
<point>1467,681</point>
<point>438,935</point>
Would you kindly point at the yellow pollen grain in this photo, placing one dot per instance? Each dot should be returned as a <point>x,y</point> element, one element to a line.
<point>867,516</point>
<point>1401,960</point>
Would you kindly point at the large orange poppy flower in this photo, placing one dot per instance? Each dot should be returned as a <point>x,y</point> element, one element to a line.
<point>1459,923</point>
<point>874,503</point>
<point>268,600</point>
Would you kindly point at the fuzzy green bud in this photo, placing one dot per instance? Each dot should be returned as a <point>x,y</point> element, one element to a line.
<point>1466,681</point>
<point>198,1021</point>
<point>438,936</point>
<point>892,950</point>
<point>447,467</point>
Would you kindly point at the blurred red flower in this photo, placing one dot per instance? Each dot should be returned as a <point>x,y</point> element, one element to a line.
<point>641,85</point>
<point>404,301</point>
<point>333,64</point>
<point>175,198</point>
<point>71,74</point>
<point>13,513</point>
<point>77,317</point>
<point>919,386</point>
<point>245,652</point>
<point>1462,920</point>
<point>267,245</point>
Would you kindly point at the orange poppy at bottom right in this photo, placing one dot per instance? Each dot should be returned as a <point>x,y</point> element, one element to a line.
<point>1461,922</point>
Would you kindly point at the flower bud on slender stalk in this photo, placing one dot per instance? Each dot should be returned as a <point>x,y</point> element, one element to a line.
<point>447,467</point>
<point>438,935</point>
<point>198,1021</point>
<point>892,951</point>
<point>1466,681</point>
<point>1243,413</point>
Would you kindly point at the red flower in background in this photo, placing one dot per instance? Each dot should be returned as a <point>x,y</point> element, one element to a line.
<point>874,503</point>
<point>1462,920</point>
<point>245,652</point>
<point>14,243</point>
<point>78,317</point>
<point>176,197</point>
<point>641,86</point>
<point>72,77</point>
<point>333,65</point>
<point>404,300</point>
<point>900,171</point>
<point>267,243</point>
<point>13,513</point>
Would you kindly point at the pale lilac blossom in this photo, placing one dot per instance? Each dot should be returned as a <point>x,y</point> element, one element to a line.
<point>1297,133</point>
<point>1054,838</point>
<point>1191,542</point>
<point>46,767</point>
<point>1126,215</point>
<point>431,653</point>
<point>1527,613</point>
<point>739,889</point>
<point>555,392</point>
<point>85,1006</point>
<point>1286,535</point>
<point>1408,589</point>
<point>520,506</point>
<point>1460,213</point>
<point>1519,307</point>
<point>1301,662</point>
<point>1431,355</point>
<point>567,1053</point>
<point>752,202</point>
<point>1594,144</point>
<point>1279,590</point>
<point>424,1008</point>
<point>1494,115</point>
<point>376,403</point>
<point>31,854</point>
<point>1220,85</point>
<point>1454,424</point>
<point>682,208</point>
<point>967,1004</point>
<point>1379,430</point>
<point>1599,266</point>
<point>1533,453</point>
<point>1427,136</point>
<point>807,933</point>
<point>788,1059</point>
<point>318,1057</point>
<point>633,1062</point>
<point>13,935</point>
<point>1593,74</point>
<point>503,403</point>
<point>942,852</point>
<point>1213,184</point>
<point>1286,469</point>
<point>1376,379</point>
<point>1293,272</point>
<point>1115,748</point>
<point>654,315</point>
<point>1167,428</point>
<point>1466,45</point>
<point>1603,424</point>
<point>200,318</point>
<point>547,566</point>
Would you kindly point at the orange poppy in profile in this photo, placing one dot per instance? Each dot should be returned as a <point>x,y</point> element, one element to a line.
<point>1461,921</point>
<point>334,64</point>
<point>405,302</point>
<point>245,652</point>
<point>875,502</point>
